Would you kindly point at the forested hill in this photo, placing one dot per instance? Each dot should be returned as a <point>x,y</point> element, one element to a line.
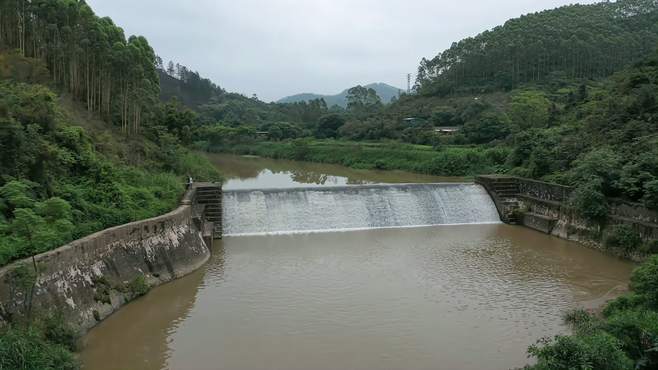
<point>577,41</point>
<point>179,82</point>
<point>88,56</point>
<point>84,142</point>
<point>386,92</point>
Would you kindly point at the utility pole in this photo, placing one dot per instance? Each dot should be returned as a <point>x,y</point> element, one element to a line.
<point>408,83</point>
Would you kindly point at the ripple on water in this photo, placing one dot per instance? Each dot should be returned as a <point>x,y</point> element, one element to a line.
<point>462,297</point>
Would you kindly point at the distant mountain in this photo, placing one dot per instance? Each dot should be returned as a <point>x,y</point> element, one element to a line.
<point>385,92</point>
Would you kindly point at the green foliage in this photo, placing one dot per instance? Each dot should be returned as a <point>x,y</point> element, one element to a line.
<point>86,55</point>
<point>362,100</point>
<point>626,302</point>
<point>328,126</point>
<point>529,109</point>
<point>637,330</point>
<point>599,351</point>
<point>58,332</point>
<point>30,349</point>
<point>138,286</point>
<point>600,167</point>
<point>571,42</point>
<point>624,238</point>
<point>650,247</point>
<point>416,158</point>
<point>590,202</point>
<point>651,194</point>
<point>55,187</point>
<point>487,128</point>
<point>644,282</point>
<point>626,337</point>
<point>579,318</point>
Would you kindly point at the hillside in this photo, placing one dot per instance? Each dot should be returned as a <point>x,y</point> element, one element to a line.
<point>186,86</point>
<point>384,91</point>
<point>571,42</point>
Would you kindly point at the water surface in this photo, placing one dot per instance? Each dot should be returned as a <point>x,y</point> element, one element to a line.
<point>447,297</point>
<point>452,297</point>
<point>249,172</point>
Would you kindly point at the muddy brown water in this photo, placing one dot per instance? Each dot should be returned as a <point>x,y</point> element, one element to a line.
<point>449,297</point>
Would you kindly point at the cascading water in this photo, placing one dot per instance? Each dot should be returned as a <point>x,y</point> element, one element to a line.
<point>282,211</point>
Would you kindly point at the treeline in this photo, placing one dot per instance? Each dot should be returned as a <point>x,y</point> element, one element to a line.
<point>88,56</point>
<point>180,82</point>
<point>571,42</point>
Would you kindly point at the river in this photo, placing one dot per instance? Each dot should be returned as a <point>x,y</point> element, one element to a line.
<point>454,297</point>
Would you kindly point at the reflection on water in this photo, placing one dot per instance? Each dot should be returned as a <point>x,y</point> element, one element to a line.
<point>257,173</point>
<point>450,297</point>
<point>455,297</point>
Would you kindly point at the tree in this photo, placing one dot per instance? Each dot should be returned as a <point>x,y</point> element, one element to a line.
<point>361,100</point>
<point>530,109</point>
<point>488,127</point>
<point>329,125</point>
<point>573,42</point>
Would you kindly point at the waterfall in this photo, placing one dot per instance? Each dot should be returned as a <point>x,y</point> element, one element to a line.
<point>282,211</point>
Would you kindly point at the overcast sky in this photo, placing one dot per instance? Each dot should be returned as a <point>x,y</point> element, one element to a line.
<point>275,48</point>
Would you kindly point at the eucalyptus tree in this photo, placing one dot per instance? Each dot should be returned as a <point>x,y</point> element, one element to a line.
<point>576,42</point>
<point>87,56</point>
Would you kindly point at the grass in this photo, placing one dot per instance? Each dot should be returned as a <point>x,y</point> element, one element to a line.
<point>446,161</point>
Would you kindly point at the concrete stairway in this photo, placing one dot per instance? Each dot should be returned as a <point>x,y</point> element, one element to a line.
<point>506,188</point>
<point>504,191</point>
<point>210,195</point>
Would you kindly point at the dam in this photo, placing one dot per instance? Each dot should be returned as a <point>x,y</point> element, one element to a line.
<point>362,207</point>
<point>420,276</point>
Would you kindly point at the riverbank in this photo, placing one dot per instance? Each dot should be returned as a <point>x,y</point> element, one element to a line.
<point>444,161</point>
<point>87,280</point>
<point>82,283</point>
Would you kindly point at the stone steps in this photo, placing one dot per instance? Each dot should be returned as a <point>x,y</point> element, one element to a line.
<point>211,198</point>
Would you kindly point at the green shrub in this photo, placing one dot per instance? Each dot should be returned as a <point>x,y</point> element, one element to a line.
<point>589,202</point>
<point>626,302</point>
<point>29,349</point>
<point>637,332</point>
<point>644,281</point>
<point>649,248</point>
<point>579,319</point>
<point>138,286</point>
<point>651,194</point>
<point>623,237</point>
<point>598,351</point>
<point>57,331</point>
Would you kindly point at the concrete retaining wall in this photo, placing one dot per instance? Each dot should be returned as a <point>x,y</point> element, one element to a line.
<point>89,279</point>
<point>544,206</point>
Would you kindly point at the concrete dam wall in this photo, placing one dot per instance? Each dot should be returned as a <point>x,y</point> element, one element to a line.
<point>249,212</point>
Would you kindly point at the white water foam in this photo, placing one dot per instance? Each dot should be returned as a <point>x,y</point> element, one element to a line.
<point>349,208</point>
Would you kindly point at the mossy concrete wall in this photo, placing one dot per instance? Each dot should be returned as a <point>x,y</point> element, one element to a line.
<point>544,207</point>
<point>91,278</point>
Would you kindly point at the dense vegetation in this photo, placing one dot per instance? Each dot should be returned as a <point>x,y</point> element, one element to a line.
<point>577,41</point>
<point>625,337</point>
<point>88,56</point>
<point>180,83</point>
<point>565,124</point>
<point>84,145</point>
<point>449,161</point>
<point>567,95</point>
